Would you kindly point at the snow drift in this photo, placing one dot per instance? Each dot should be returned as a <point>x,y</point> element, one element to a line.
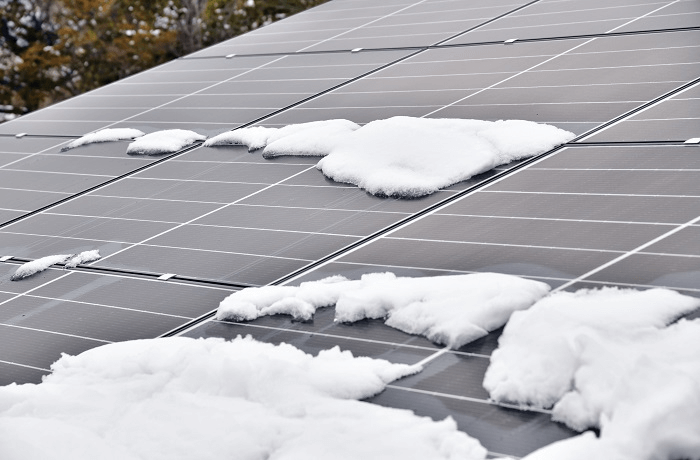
<point>160,142</point>
<point>403,156</point>
<point>449,310</point>
<point>180,398</point>
<point>39,265</point>
<point>104,135</point>
<point>316,138</point>
<point>605,359</point>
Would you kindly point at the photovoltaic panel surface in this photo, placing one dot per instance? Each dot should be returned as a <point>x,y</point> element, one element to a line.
<point>588,215</point>
<point>566,18</point>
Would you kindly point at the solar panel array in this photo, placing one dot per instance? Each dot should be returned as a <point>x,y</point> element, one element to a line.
<point>617,206</point>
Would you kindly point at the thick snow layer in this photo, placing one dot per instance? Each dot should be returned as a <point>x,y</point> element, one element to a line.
<point>105,135</point>
<point>83,258</point>
<point>643,389</point>
<point>167,141</point>
<point>411,157</point>
<point>181,398</point>
<point>450,310</point>
<point>316,138</point>
<point>39,265</point>
<point>605,359</point>
<point>539,350</point>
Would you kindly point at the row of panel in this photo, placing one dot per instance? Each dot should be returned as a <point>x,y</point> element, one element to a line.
<point>351,24</point>
<point>574,84</point>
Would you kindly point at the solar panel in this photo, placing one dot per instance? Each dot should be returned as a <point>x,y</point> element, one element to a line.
<point>616,207</point>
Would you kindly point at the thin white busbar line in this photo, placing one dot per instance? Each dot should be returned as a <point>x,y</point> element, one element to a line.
<point>203,215</point>
<point>193,180</point>
<point>323,209</point>
<point>349,338</point>
<point>58,172</point>
<point>363,25</point>
<point>155,246</point>
<point>470,399</point>
<point>34,154</point>
<point>646,286</point>
<point>24,365</point>
<point>278,230</point>
<point>54,332</point>
<point>590,194</point>
<point>556,219</point>
<point>661,119</point>
<point>156,199</point>
<point>546,61</point>
<point>591,9</point>
<point>51,213</point>
<point>627,254</point>
<point>481,243</point>
<point>110,306</point>
<point>425,361</point>
<point>618,169</point>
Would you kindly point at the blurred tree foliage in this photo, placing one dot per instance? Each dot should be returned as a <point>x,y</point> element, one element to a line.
<point>54,49</point>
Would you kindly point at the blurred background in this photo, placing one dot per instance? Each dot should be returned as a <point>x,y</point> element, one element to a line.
<point>51,50</point>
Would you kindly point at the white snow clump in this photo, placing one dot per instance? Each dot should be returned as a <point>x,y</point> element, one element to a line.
<point>449,310</point>
<point>167,141</point>
<point>180,398</point>
<point>104,135</point>
<point>604,359</point>
<point>403,156</point>
<point>316,138</point>
<point>39,265</point>
<point>412,157</point>
<point>83,258</point>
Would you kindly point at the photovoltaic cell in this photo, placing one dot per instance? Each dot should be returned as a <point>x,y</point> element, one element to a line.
<point>586,216</point>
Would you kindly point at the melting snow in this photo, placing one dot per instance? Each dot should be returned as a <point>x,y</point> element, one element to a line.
<point>181,398</point>
<point>450,310</point>
<point>105,135</point>
<point>316,138</point>
<point>39,265</point>
<point>403,156</point>
<point>167,141</point>
<point>83,258</point>
<point>604,359</point>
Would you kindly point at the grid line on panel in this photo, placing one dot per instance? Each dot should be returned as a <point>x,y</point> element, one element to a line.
<point>638,249</point>
<point>24,365</point>
<point>15,326</point>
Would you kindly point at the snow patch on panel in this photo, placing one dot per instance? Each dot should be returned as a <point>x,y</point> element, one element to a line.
<point>605,359</point>
<point>104,135</point>
<point>162,142</point>
<point>449,310</point>
<point>180,398</point>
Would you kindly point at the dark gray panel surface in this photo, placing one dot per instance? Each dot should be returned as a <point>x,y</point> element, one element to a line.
<point>11,373</point>
<point>528,232</point>
<point>213,192</point>
<point>132,208</point>
<point>502,430</point>
<point>556,19</point>
<point>653,270</point>
<point>313,343</point>
<point>523,261</point>
<point>34,246</point>
<point>267,173</point>
<point>168,298</point>
<point>46,181</point>
<point>89,227</point>
<point>28,144</point>
<point>85,320</point>
<point>305,220</point>
<point>619,208</point>
<point>673,119</point>
<point>38,348</point>
<point>305,246</point>
<point>28,200</point>
<point>684,183</point>
<point>453,374</point>
<point>239,268</point>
